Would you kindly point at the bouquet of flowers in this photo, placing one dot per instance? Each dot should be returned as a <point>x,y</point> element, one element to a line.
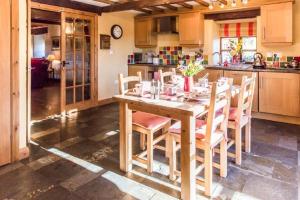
<point>236,48</point>
<point>193,68</point>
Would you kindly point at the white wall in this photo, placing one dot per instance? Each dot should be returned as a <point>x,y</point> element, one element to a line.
<point>114,61</point>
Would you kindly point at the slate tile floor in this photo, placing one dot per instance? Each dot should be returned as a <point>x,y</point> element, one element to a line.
<point>77,158</point>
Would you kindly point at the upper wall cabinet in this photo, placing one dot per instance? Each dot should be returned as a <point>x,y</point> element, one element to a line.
<point>144,33</point>
<point>191,29</point>
<point>277,23</point>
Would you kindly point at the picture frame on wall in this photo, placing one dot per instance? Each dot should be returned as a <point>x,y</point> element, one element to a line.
<point>105,41</point>
<point>55,41</point>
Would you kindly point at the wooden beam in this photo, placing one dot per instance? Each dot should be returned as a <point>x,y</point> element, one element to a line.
<point>233,15</point>
<point>71,4</point>
<point>171,7</point>
<point>144,10</point>
<point>223,2</point>
<point>186,5</point>
<point>133,5</point>
<point>157,9</point>
<point>203,3</point>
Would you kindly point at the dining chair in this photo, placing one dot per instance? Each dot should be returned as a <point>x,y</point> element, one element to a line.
<point>164,75</point>
<point>146,125</point>
<point>210,133</point>
<point>240,117</point>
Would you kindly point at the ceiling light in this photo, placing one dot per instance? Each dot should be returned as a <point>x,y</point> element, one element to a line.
<point>211,6</point>
<point>233,3</point>
<point>245,2</point>
<point>221,5</point>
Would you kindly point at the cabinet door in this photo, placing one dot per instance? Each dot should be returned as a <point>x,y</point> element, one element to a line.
<point>279,93</point>
<point>237,80</point>
<point>144,32</point>
<point>213,74</point>
<point>277,23</point>
<point>191,29</point>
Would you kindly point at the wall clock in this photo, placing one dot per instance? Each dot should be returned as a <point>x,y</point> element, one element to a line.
<point>116,32</point>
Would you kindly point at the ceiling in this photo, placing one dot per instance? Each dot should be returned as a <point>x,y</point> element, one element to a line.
<point>146,6</point>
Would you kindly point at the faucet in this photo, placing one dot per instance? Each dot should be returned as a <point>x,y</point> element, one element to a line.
<point>219,54</point>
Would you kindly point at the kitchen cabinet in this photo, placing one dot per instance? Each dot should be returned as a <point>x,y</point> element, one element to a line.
<point>277,23</point>
<point>279,93</point>
<point>134,69</point>
<point>213,74</point>
<point>237,80</point>
<point>191,29</point>
<point>144,33</point>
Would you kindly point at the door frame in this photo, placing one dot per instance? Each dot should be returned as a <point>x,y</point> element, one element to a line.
<point>10,101</point>
<point>35,5</point>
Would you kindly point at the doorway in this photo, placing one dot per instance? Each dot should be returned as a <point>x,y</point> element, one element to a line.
<point>45,64</point>
<point>63,46</point>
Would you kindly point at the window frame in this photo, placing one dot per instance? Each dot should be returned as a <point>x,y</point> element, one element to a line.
<point>243,50</point>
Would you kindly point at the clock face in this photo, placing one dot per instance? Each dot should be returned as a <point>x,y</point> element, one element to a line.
<point>116,31</point>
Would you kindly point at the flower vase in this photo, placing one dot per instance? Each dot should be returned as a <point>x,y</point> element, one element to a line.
<point>188,83</point>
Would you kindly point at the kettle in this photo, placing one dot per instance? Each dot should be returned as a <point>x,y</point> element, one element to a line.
<point>258,61</point>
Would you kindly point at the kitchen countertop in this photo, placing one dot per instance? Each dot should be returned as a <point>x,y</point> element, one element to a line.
<point>242,67</point>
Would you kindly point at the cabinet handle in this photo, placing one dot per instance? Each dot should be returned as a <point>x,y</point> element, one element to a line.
<point>264,33</point>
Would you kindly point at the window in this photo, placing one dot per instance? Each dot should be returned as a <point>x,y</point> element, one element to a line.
<point>248,48</point>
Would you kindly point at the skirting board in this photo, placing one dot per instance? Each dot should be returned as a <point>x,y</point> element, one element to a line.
<point>277,118</point>
<point>24,153</point>
<point>106,101</point>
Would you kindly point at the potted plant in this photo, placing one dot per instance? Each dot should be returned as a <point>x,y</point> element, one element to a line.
<point>189,71</point>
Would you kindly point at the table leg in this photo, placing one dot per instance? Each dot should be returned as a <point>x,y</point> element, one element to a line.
<point>188,158</point>
<point>125,137</point>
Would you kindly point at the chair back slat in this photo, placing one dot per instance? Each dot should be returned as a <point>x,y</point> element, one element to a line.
<point>123,81</point>
<point>218,113</point>
<point>164,75</point>
<point>245,98</point>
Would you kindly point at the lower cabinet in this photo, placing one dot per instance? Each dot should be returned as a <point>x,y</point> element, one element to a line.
<point>237,80</point>
<point>279,93</point>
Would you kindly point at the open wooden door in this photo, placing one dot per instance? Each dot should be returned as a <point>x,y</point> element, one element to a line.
<point>5,83</point>
<point>78,61</point>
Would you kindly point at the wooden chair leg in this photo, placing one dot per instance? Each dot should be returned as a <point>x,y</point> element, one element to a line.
<point>248,137</point>
<point>208,171</point>
<point>150,152</point>
<point>172,157</point>
<point>223,158</point>
<point>167,152</point>
<point>238,145</point>
<point>142,141</point>
<point>166,131</point>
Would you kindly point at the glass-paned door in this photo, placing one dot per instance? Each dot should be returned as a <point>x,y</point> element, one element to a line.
<point>78,61</point>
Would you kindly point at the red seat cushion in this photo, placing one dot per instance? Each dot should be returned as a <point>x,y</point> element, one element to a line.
<point>233,112</point>
<point>200,128</point>
<point>148,121</point>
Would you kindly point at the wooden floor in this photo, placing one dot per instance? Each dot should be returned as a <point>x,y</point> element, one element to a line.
<point>78,158</point>
<point>45,101</point>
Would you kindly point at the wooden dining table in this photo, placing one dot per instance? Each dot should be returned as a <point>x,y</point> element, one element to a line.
<point>185,111</point>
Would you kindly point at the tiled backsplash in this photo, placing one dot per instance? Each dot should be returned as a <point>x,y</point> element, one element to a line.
<point>169,55</point>
<point>282,59</point>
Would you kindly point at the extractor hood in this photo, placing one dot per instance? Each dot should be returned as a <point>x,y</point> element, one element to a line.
<point>167,24</point>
